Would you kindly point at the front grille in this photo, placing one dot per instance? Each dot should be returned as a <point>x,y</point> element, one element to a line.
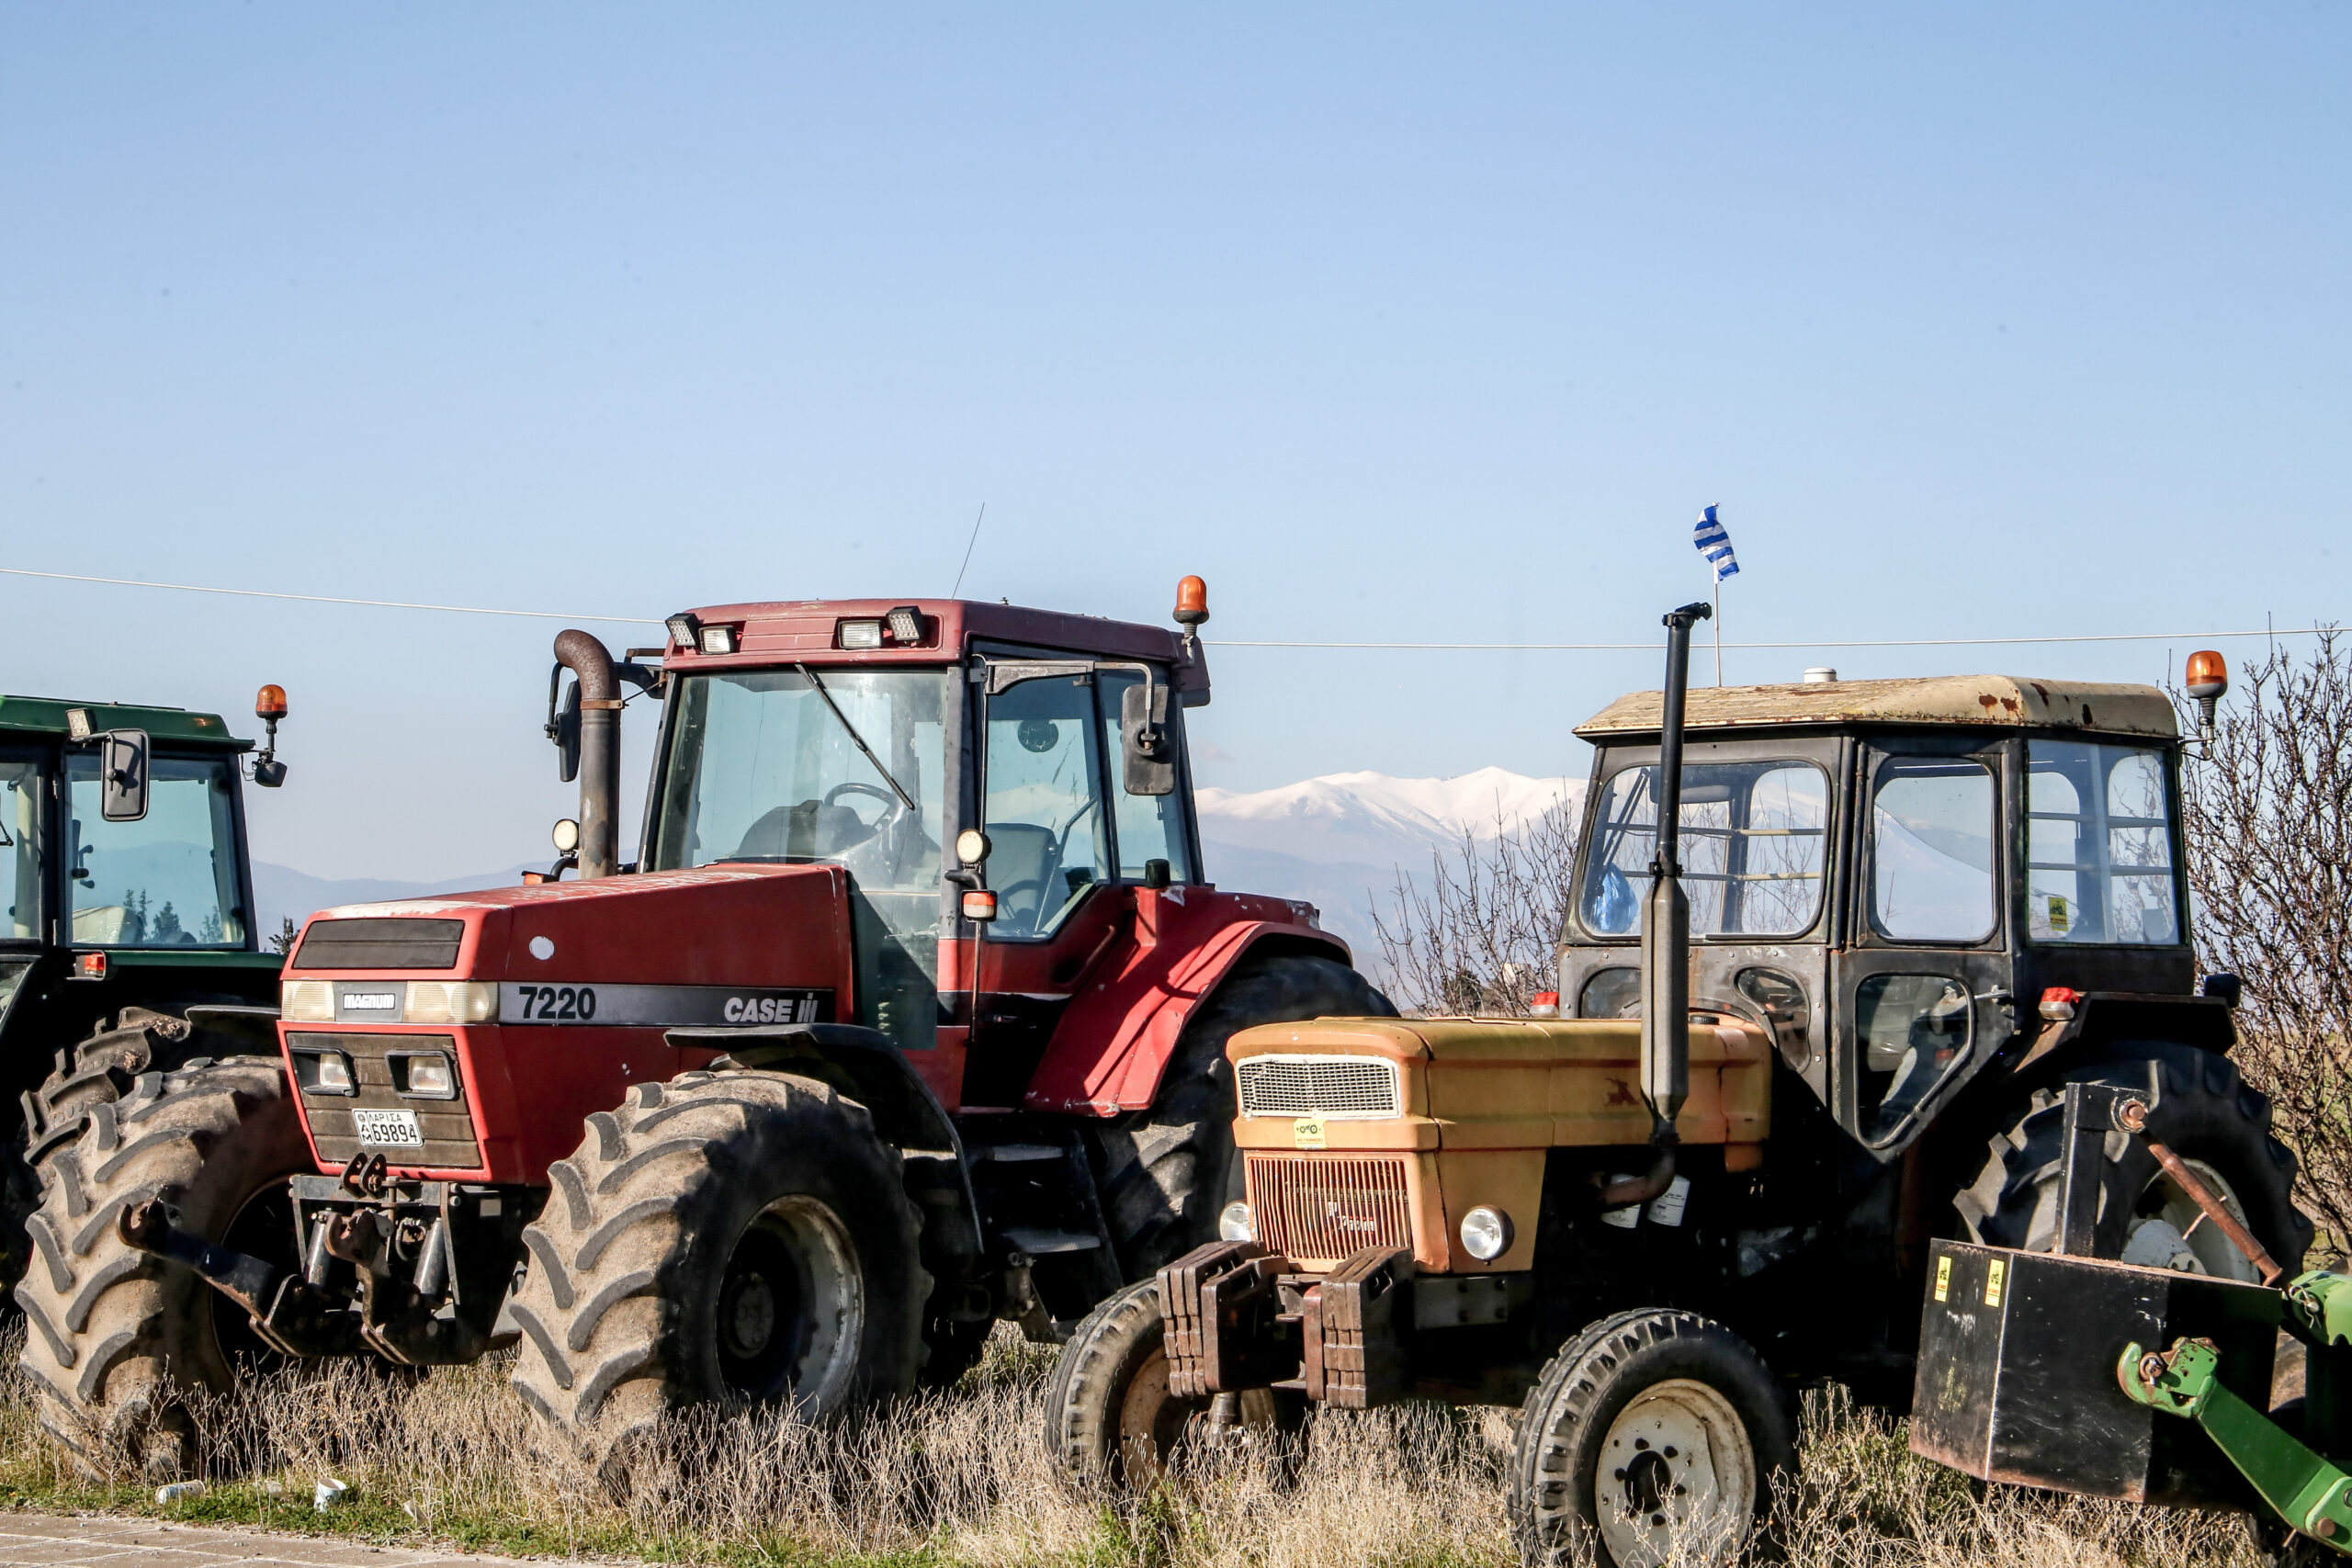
<point>1321,1209</point>
<point>448,1130</point>
<point>1336,1088</point>
<point>392,942</point>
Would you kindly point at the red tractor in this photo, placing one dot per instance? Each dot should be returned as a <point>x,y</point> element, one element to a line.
<point>910,1016</point>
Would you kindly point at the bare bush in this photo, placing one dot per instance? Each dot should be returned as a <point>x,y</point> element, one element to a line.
<point>2268,817</point>
<point>1482,936</point>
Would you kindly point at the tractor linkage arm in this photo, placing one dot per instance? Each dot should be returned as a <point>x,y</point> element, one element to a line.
<point>2309,1490</point>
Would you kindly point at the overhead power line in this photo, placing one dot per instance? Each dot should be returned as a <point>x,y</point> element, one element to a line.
<point>1224,642</point>
<point>332,599</point>
<point>1851,642</point>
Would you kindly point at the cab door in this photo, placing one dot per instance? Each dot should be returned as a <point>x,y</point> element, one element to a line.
<point>1044,784</point>
<point>1920,985</point>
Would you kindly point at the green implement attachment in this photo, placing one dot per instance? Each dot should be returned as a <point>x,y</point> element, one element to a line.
<point>2305,1488</point>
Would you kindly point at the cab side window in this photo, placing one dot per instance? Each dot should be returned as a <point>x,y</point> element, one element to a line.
<point>1150,827</point>
<point>1048,842</point>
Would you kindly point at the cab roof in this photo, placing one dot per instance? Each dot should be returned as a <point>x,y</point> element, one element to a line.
<point>783,631</point>
<point>2009,702</point>
<point>176,726</point>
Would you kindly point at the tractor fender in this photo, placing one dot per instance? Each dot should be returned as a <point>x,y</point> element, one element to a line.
<point>1111,1045</point>
<point>867,1065</point>
<point>2103,1016</point>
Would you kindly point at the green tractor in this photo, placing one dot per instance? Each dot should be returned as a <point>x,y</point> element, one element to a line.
<point>129,944</point>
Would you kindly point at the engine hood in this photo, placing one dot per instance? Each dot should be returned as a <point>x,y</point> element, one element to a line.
<point>734,925</point>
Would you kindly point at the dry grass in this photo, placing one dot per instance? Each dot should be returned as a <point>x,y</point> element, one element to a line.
<point>964,1479</point>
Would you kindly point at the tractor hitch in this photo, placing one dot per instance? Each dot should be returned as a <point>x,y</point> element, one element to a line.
<point>286,1309</point>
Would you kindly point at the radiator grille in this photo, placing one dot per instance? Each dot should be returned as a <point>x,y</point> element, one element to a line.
<point>448,1130</point>
<point>1321,1209</point>
<point>1336,1088</point>
<point>391,943</point>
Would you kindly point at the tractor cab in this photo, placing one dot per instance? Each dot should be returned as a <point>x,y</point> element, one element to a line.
<point>1902,880</point>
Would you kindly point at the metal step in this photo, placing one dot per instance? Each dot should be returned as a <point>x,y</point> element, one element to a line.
<point>992,1154</point>
<point>1038,1242</point>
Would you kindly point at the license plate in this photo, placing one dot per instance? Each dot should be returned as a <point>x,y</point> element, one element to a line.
<point>395,1127</point>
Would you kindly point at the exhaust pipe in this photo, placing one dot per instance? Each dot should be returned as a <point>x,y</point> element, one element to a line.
<point>600,750</point>
<point>1665,936</point>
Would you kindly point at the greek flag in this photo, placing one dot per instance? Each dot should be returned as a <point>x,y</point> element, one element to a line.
<point>1715,544</point>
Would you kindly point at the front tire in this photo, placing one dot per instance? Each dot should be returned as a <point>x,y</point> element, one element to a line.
<point>736,1238</point>
<point>1109,1415</point>
<point>114,1337</point>
<point>2198,1108</point>
<point>1653,1437</point>
<point>1167,1171</point>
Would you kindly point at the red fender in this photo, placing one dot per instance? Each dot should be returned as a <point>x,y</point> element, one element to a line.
<point>1112,1043</point>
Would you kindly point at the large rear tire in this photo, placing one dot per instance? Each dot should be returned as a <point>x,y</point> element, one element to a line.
<point>1167,1172</point>
<point>114,1338</point>
<point>1109,1416</point>
<point>1653,1437</point>
<point>737,1237</point>
<point>2199,1108</point>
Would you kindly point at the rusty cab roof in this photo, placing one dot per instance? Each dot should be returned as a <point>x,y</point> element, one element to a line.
<point>2003,702</point>
<point>807,631</point>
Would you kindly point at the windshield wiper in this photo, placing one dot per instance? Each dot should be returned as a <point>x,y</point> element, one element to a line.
<point>896,786</point>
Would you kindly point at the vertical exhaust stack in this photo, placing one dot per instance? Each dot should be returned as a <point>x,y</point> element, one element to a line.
<point>1665,940</point>
<point>1666,924</point>
<point>600,750</point>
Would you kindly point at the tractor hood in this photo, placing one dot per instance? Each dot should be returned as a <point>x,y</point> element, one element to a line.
<point>736,928</point>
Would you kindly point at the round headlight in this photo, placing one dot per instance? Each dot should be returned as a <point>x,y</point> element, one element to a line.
<point>1236,1224</point>
<point>1485,1234</point>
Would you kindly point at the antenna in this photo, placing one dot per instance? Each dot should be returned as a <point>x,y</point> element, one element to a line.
<point>967,552</point>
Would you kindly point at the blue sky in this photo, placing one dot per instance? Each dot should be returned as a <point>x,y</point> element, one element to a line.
<point>1412,324</point>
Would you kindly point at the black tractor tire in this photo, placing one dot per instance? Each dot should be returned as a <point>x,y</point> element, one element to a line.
<point>1109,1416</point>
<point>739,1238</point>
<point>1654,1436</point>
<point>101,1071</point>
<point>2199,1108</point>
<point>116,1338</point>
<point>1166,1173</point>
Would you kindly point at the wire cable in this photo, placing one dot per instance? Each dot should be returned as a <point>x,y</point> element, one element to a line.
<point>329,598</point>
<point>1231,642</point>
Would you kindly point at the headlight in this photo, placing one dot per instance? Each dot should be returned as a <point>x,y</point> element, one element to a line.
<point>306,1002</point>
<point>324,1072</point>
<point>424,1075</point>
<point>1236,1224</point>
<point>450,1002</point>
<point>1485,1234</point>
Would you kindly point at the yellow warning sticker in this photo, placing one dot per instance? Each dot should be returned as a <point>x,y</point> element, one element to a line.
<point>1943,1278</point>
<point>1306,1133</point>
<point>1993,1275</point>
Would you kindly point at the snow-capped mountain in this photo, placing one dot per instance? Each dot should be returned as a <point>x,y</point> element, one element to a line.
<point>1340,840</point>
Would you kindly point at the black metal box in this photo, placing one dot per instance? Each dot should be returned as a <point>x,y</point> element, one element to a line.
<point>2017,1380</point>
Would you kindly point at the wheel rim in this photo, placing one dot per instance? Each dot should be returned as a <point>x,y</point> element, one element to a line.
<point>2169,1231</point>
<point>263,1228</point>
<point>1154,1425</point>
<point>1677,1477</point>
<point>791,1307</point>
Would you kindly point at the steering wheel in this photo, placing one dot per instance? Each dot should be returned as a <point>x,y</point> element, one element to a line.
<point>1004,898</point>
<point>891,802</point>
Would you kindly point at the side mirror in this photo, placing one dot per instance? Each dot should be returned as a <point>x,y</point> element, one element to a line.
<point>122,775</point>
<point>563,728</point>
<point>1148,755</point>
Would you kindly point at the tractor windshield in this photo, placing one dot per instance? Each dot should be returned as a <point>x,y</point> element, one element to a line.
<point>1752,843</point>
<point>763,767</point>
<point>170,878</point>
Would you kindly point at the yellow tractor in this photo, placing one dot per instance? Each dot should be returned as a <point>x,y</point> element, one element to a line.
<point>1886,925</point>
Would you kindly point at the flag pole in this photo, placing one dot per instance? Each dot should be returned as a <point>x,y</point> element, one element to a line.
<point>1719,631</point>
